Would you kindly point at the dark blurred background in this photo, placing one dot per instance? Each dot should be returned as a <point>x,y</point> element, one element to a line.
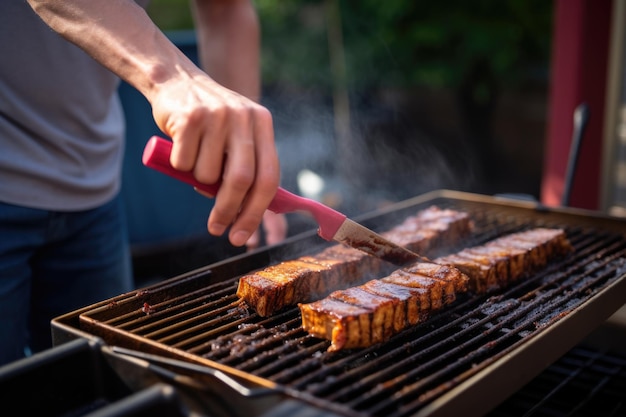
<point>382,101</point>
<point>435,94</point>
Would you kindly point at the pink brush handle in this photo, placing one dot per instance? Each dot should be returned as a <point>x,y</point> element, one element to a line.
<point>156,155</point>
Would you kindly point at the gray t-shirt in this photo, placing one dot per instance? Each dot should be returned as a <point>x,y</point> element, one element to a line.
<point>61,122</point>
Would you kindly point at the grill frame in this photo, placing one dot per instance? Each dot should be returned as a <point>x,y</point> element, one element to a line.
<point>475,395</point>
<point>585,381</point>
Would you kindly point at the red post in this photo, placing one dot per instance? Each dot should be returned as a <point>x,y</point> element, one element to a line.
<point>580,50</point>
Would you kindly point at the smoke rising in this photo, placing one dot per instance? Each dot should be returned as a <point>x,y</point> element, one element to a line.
<point>387,157</point>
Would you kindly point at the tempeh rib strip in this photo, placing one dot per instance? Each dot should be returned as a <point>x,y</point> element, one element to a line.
<point>380,308</point>
<point>314,276</point>
<point>353,318</point>
<point>508,258</point>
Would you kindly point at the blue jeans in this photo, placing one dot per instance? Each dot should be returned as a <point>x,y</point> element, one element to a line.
<point>52,263</point>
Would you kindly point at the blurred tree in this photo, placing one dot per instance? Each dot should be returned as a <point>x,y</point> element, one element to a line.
<point>396,43</point>
<point>436,43</point>
<point>295,49</point>
<point>474,51</point>
<point>171,14</point>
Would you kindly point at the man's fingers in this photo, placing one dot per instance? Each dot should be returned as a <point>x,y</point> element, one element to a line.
<point>210,160</point>
<point>254,241</point>
<point>275,230</point>
<point>266,177</point>
<point>275,227</point>
<point>204,193</point>
<point>237,182</point>
<point>186,140</point>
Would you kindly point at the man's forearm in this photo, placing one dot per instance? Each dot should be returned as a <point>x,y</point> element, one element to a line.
<point>120,35</point>
<point>228,34</point>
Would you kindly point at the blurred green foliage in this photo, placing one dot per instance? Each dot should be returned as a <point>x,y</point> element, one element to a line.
<point>171,14</point>
<point>434,43</point>
<point>395,43</point>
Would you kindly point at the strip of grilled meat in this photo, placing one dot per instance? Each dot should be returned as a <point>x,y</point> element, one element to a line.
<point>354,317</point>
<point>314,276</point>
<point>506,259</point>
<point>373,312</point>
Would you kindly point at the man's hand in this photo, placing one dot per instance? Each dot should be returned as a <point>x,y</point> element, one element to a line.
<point>274,227</point>
<point>222,136</point>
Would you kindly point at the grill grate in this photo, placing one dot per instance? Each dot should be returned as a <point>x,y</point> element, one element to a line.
<point>402,377</point>
<point>584,382</point>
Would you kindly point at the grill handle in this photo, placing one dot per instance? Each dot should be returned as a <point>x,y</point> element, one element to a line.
<point>581,116</point>
<point>201,388</point>
<point>156,155</point>
<point>153,361</point>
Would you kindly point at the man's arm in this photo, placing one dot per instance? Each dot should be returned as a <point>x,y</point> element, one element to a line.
<point>228,34</point>
<point>229,43</point>
<point>205,120</point>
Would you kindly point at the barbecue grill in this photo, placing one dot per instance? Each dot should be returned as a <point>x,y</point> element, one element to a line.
<point>192,332</point>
